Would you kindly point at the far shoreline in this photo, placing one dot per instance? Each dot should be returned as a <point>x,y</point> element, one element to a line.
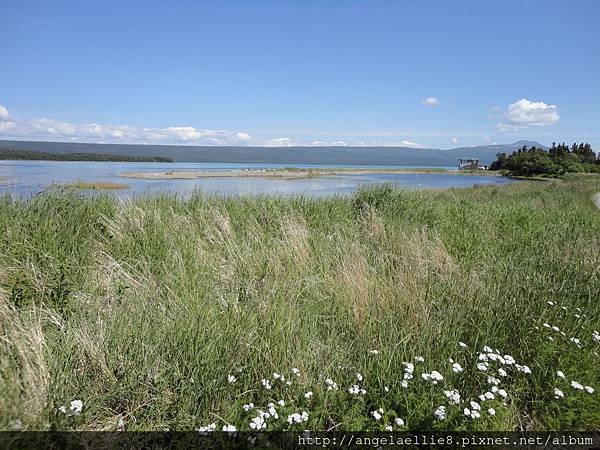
<point>293,173</point>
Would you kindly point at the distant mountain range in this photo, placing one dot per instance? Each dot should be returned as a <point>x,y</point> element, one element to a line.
<point>282,155</point>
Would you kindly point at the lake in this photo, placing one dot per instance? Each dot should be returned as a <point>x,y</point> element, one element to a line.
<point>24,178</point>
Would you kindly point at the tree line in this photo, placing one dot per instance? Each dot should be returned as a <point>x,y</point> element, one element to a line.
<point>554,162</point>
<point>13,154</point>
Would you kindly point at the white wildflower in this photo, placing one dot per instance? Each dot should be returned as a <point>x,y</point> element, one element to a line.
<point>509,360</point>
<point>308,394</point>
<point>377,415</point>
<point>296,371</point>
<point>457,368</point>
<point>297,417</point>
<point>258,423</point>
<point>76,407</point>
<point>359,377</point>
<point>576,385</point>
<point>62,409</point>
<point>491,412</point>
<point>589,389</point>
<point>453,396</point>
<point>229,428</point>
<point>502,372</point>
<point>475,406</point>
<point>404,384</point>
<point>493,380</point>
<point>560,374</point>
<point>231,379</point>
<point>482,367</point>
<point>462,344</point>
<point>399,422</point>
<point>266,383</point>
<point>281,403</point>
<point>248,407</point>
<point>440,413</point>
<point>331,385</point>
<point>388,428</point>
<point>354,390</point>
<point>374,352</point>
<point>558,393</point>
<point>208,428</point>
<point>419,359</point>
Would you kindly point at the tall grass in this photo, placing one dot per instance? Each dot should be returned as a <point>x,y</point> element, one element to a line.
<point>142,309</point>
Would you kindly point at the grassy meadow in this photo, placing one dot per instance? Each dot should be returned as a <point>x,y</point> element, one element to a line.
<point>170,314</point>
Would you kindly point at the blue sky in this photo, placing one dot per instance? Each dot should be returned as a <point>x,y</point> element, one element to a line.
<point>417,73</point>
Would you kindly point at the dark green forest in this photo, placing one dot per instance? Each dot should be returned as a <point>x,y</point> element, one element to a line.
<point>14,154</point>
<point>557,161</point>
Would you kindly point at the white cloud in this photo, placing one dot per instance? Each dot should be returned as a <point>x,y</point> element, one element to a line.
<point>279,142</point>
<point>44,128</point>
<point>454,140</point>
<point>410,144</point>
<point>431,101</point>
<point>525,113</point>
<point>4,115</point>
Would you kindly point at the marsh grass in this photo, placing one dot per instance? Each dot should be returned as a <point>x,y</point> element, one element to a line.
<point>90,185</point>
<point>141,309</point>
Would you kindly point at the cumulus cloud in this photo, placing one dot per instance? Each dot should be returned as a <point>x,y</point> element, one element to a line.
<point>4,113</point>
<point>44,128</point>
<point>56,130</point>
<point>525,113</point>
<point>279,142</point>
<point>431,101</point>
<point>454,140</point>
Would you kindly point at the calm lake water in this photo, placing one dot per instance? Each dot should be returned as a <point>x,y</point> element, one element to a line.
<point>24,178</point>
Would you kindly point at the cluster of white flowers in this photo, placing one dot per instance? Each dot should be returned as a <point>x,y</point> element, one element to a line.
<point>229,428</point>
<point>596,336</point>
<point>378,414</point>
<point>487,396</point>
<point>208,428</point>
<point>308,394</point>
<point>435,377</point>
<point>331,385</point>
<point>558,393</point>
<point>453,396</point>
<point>457,368</point>
<point>419,359</point>
<point>258,423</point>
<point>248,407</point>
<point>356,389</point>
<point>76,407</point>
<point>266,384</point>
<point>296,371</point>
<point>440,413</point>
<point>523,369</point>
<point>473,412</point>
<point>231,379</point>
<point>297,417</point>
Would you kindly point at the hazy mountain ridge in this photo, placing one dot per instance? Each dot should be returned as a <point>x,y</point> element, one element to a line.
<point>282,155</point>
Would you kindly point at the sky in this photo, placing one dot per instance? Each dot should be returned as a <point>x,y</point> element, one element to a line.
<point>431,74</point>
